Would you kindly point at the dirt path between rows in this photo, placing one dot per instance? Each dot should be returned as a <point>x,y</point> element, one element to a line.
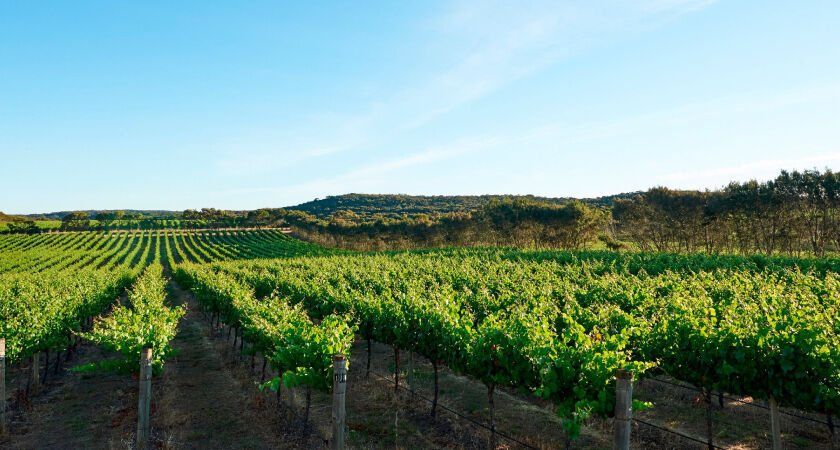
<point>199,402</point>
<point>75,410</point>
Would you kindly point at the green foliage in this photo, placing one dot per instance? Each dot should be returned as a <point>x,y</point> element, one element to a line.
<point>109,251</point>
<point>38,312</point>
<point>372,207</point>
<point>795,213</point>
<point>283,333</point>
<point>559,324</point>
<point>752,334</point>
<point>518,221</point>
<point>442,308</point>
<point>25,226</point>
<point>75,221</point>
<point>556,324</point>
<point>147,323</point>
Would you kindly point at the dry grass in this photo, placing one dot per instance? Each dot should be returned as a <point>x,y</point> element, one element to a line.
<point>736,425</point>
<point>203,398</point>
<point>73,410</point>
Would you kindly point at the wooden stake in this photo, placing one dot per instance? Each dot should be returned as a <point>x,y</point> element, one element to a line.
<point>435,400</point>
<point>339,420</point>
<point>279,400</point>
<point>775,425</point>
<point>46,365</point>
<point>623,409</point>
<point>57,363</point>
<point>492,408</point>
<point>367,374</point>
<point>306,410</point>
<point>144,398</point>
<point>709,432</point>
<point>36,382</point>
<point>290,392</point>
<point>2,386</point>
<point>396,369</point>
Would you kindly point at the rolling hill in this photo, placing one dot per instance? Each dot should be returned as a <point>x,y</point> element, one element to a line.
<point>396,205</point>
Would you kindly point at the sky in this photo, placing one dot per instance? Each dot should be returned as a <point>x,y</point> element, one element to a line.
<point>242,105</point>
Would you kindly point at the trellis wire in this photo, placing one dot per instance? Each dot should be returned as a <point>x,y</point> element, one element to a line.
<point>668,430</point>
<point>757,405</point>
<point>311,427</point>
<point>452,411</point>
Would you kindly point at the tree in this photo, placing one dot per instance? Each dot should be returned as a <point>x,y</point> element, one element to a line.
<point>259,217</point>
<point>107,218</point>
<point>75,221</point>
<point>26,226</point>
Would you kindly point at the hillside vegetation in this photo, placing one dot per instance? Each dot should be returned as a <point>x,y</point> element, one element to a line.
<point>157,214</point>
<point>9,218</point>
<point>366,207</point>
<point>796,213</point>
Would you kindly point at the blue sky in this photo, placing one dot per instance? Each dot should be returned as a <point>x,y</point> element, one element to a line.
<point>241,105</point>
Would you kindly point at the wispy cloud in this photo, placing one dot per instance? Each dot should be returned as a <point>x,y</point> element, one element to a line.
<point>730,108</point>
<point>553,135</point>
<point>367,177</point>
<point>490,45</point>
<point>284,149</point>
<point>763,169</point>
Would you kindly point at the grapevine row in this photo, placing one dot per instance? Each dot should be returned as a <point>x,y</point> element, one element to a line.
<point>769,335</point>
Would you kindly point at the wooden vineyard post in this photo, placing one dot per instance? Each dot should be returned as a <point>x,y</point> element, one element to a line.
<point>623,409</point>
<point>339,389</point>
<point>144,398</point>
<point>2,386</point>
<point>435,400</point>
<point>396,369</point>
<point>492,407</point>
<point>707,393</point>
<point>36,382</point>
<point>367,374</point>
<point>775,425</point>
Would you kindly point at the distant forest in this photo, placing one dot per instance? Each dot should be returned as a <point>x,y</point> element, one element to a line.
<point>796,213</point>
<point>370,207</point>
<point>157,214</point>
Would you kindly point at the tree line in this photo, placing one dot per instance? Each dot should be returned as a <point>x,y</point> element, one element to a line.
<point>370,207</point>
<point>510,222</point>
<point>796,213</point>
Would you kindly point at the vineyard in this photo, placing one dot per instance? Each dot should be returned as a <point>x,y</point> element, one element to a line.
<point>558,330</point>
